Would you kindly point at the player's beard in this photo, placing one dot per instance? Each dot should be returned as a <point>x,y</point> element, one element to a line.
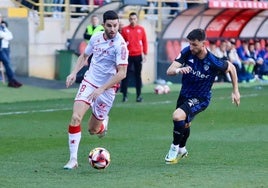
<point>110,35</point>
<point>196,52</point>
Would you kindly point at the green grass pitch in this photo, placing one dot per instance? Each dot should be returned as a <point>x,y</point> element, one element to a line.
<point>228,146</point>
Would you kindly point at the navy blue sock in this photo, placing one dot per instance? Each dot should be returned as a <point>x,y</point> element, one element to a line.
<point>178,131</point>
<point>186,134</point>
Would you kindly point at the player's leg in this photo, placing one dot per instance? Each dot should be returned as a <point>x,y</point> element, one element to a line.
<point>138,67</point>
<point>98,122</point>
<point>74,132</point>
<point>124,82</point>
<point>182,117</point>
<point>123,88</point>
<point>5,58</point>
<point>182,145</point>
<point>98,126</point>
<point>179,117</point>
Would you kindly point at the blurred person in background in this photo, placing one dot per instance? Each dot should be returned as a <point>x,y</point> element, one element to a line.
<point>5,37</point>
<point>221,52</point>
<point>246,59</point>
<point>93,27</point>
<point>233,57</point>
<point>261,68</point>
<point>136,40</point>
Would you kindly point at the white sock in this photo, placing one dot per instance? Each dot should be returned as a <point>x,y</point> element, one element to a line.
<point>176,146</point>
<point>74,140</point>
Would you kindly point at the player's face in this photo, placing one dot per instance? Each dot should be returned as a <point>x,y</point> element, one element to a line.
<point>111,28</point>
<point>133,20</point>
<point>196,47</point>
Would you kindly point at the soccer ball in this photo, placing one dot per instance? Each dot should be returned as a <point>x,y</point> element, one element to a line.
<point>99,158</point>
<point>159,90</point>
<point>166,89</point>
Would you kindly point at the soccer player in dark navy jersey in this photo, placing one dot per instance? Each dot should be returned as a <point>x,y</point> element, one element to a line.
<point>199,68</point>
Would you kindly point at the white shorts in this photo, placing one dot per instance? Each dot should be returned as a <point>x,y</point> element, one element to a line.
<point>102,105</point>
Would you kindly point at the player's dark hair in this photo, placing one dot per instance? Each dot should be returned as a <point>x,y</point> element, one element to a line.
<point>110,15</point>
<point>197,34</point>
<point>133,14</point>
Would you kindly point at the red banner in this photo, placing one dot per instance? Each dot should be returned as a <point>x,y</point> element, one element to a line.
<point>238,4</point>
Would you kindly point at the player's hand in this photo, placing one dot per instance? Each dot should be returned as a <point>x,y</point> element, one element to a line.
<point>236,98</point>
<point>97,92</point>
<point>183,70</point>
<point>70,80</point>
<point>144,59</point>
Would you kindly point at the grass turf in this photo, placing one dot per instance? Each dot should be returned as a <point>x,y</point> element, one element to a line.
<point>227,146</point>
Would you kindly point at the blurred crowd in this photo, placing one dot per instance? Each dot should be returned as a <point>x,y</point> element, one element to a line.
<point>81,5</point>
<point>250,58</point>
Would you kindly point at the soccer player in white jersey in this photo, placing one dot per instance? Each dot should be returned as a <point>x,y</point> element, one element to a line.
<point>97,91</point>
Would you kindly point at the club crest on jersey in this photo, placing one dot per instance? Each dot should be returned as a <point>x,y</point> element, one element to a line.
<point>206,67</point>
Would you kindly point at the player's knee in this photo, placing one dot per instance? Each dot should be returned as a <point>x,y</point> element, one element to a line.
<point>179,115</point>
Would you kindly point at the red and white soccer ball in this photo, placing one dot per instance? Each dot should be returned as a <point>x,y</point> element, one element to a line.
<point>99,158</point>
<point>161,89</point>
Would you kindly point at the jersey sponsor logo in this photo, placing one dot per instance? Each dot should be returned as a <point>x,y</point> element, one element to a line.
<point>100,51</point>
<point>199,74</point>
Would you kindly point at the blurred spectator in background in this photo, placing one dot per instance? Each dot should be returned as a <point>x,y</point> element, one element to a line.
<point>136,39</point>
<point>221,52</point>
<point>93,27</point>
<point>232,54</point>
<point>58,9</point>
<point>83,5</point>
<point>152,8</point>
<point>261,68</point>
<point>5,37</point>
<point>212,46</point>
<point>233,57</point>
<point>174,7</point>
<point>245,56</point>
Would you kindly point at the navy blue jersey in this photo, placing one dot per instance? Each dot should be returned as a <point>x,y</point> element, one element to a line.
<point>199,81</point>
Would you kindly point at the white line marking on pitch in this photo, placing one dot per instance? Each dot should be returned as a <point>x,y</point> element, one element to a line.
<point>118,105</point>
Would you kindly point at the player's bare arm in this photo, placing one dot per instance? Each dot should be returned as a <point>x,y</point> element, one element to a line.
<point>235,94</point>
<point>120,75</point>
<point>176,68</point>
<point>81,61</point>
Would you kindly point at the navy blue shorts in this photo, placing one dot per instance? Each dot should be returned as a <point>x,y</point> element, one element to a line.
<point>192,106</point>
